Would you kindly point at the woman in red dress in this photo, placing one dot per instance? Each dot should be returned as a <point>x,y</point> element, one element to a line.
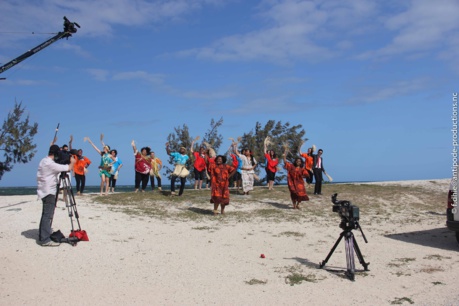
<point>295,180</point>
<point>220,172</point>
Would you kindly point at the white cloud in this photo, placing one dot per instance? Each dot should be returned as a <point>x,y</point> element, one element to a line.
<point>98,74</point>
<point>156,79</point>
<point>74,48</point>
<point>382,93</point>
<point>423,26</point>
<point>292,30</point>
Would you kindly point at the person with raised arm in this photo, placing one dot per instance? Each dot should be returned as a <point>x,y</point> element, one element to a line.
<point>180,170</point>
<point>142,166</point>
<point>156,166</point>
<point>308,162</point>
<point>296,173</point>
<point>105,166</point>
<point>220,174</point>
<point>271,164</point>
<point>199,165</point>
<point>248,169</point>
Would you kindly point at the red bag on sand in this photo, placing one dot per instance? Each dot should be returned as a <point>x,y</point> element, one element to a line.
<point>81,235</point>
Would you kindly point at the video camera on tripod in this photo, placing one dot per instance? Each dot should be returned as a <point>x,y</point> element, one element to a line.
<point>63,157</point>
<point>349,213</point>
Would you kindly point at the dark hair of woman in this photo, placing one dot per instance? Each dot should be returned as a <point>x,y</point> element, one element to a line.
<point>223,158</point>
<point>147,149</point>
<point>301,160</point>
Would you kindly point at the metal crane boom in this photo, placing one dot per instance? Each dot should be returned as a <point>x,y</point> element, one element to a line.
<point>69,29</point>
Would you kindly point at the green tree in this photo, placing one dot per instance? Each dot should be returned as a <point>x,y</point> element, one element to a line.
<point>16,137</point>
<point>182,138</point>
<point>280,135</point>
<point>212,136</point>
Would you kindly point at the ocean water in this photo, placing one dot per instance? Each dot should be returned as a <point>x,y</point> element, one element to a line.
<point>8,191</point>
<point>32,190</point>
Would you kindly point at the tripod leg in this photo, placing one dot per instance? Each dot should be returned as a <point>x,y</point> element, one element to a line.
<point>323,263</point>
<point>349,243</point>
<point>360,256</point>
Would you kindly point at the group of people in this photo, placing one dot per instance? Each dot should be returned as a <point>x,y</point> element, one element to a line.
<point>309,167</point>
<point>108,168</point>
<point>206,164</point>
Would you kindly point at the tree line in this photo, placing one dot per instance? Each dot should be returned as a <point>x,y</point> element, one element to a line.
<point>281,135</point>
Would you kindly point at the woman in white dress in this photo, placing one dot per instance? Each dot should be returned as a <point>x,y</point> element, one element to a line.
<point>248,169</point>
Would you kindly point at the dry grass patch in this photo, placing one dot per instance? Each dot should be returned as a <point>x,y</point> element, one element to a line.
<point>377,203</point>
<point>398,262</point>
<point>255,281</point>
<point>436,257</point>
<point>399,301</point>
<point>431,269</point>
<point>291,234</point>
<point>296,275</point>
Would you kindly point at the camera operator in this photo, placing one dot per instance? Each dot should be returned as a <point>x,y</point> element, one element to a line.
<point>47,180</point>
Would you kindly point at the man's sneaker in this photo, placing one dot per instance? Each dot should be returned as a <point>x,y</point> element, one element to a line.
<point>160,189</point>
<point>172,193</point>
<point>50,244</point>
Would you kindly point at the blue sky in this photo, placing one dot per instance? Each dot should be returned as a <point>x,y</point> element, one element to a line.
<point>370,81</point>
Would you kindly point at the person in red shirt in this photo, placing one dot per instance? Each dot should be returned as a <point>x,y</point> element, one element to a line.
<point>295,180</point>
<point>237,163</point>
<point>142,166</point>
<point>210,159</point>
<point>199,166</point>
<point>271,166</point>
<point>220,172</point>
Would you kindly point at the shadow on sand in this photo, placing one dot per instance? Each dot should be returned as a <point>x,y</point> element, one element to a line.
<point>338,271</point>
<point>278,205</point>
<point>31,234</point>
<point>201,211</point>
<point>440,238</point>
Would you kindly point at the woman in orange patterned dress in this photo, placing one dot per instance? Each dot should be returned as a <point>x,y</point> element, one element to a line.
<point>295,180</point>
<point>220,172</point>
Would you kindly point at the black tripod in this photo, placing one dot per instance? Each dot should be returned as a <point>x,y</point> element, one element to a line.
<point>350,246</point>
<point>69,199</point>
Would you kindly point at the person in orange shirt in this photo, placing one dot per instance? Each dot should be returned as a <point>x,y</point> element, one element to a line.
<point>79,170</point>
<point>308,163</point>
<point>156,165</point>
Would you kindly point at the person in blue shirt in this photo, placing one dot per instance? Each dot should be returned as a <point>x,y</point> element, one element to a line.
<point>116,166</point>
<point>180,171</point>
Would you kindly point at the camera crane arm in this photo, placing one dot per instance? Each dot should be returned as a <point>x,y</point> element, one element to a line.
<point>69,29</point>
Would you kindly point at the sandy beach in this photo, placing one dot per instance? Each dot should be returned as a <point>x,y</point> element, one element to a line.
<point>134,259</point>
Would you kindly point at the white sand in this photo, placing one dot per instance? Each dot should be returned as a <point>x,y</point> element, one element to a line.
<point>133,260</point>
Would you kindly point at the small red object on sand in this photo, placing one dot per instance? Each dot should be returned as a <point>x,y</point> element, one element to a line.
<point>262,255</point>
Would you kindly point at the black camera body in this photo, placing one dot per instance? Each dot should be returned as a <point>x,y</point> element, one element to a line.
<point>349,213</point>
<point>63,157</point>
